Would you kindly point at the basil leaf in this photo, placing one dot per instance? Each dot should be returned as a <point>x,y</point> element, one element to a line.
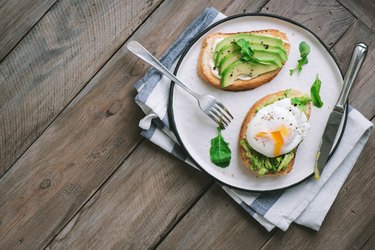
<point>314,91</point>
<point>220,153</point>
<point>304,50</point>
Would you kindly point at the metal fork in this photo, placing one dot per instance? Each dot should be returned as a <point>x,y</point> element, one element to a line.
<point>207,103</point>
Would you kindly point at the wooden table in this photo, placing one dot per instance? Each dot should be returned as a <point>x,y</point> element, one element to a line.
<point>75,172</point>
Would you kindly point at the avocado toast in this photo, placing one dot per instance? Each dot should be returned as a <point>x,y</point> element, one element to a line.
<point>256,161</point>
<point>241,61</point>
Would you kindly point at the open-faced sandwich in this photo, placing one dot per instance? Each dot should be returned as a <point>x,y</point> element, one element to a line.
<point>241,61</point>
<point>272,130</point>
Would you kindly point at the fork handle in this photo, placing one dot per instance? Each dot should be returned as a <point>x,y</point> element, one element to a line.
<point>138,50</point>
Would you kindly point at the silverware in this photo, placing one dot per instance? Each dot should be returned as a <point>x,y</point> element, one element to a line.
<point>334,120</point>
<point>207,103</point>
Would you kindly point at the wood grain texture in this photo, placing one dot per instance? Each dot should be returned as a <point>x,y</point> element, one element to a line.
<point>364,10</point>
<point>17,18</point>
<point>216,222</point>
<point>237,7</point>
<point>328,19</point>
<point>54,62</point>
<point>153,29</point>
<point>350,222</point>
<point>363,91</point>
<point>85,144</point>
<point>138,205</point>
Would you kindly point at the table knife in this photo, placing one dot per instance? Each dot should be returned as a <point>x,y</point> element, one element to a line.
<point>334,120</point>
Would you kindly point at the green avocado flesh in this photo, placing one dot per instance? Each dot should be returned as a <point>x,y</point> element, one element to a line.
<point>279,52</point>
<point>268,51</point>
<point>261,163</point>
<point>252,38</point>
<point>240,68</point>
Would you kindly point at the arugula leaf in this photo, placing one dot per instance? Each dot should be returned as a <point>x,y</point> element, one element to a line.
<point>314,91</point>
<point>304,50</point>
<point>247,52</point>
<point>220,153</point>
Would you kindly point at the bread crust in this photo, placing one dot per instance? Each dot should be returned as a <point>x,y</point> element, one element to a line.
<point>206,54</point>
<point>250,115</point>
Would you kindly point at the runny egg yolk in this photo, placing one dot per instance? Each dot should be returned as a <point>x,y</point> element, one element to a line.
<point>277,136</point>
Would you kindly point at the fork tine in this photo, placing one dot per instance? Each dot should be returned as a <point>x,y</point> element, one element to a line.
<point>221,124</point>
<point>222,112</point>
<point>219,117</point>
<point>224,108</point>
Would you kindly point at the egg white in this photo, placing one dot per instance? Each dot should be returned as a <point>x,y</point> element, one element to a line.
<point>271,118</point>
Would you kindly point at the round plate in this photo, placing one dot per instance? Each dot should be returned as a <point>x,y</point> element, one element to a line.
<point>194,129</point>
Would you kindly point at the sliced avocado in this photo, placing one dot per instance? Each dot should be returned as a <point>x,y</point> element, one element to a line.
<point>274,49</point>
<point>231,48</point>
<point>231,73</point>
<point>252,38</point>
<point>228,60</point>
<point>268,57</point>
<point>225,51</point>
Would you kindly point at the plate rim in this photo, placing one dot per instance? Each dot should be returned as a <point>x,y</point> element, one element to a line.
<point>187,49</point>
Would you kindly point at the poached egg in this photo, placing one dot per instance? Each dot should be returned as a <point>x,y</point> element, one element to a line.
<point>277,129</point>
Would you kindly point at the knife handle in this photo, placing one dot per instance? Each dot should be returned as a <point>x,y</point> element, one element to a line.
<point>358,56</point>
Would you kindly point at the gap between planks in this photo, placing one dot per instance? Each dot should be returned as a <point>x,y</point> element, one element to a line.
<point>134,148</point>
<point>84,88</point>
<point>28,31</point>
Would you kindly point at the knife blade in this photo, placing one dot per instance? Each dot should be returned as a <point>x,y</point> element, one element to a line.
<point>334,120</point>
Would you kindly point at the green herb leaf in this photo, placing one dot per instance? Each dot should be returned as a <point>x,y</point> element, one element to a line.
<point>304,50</point>
<point>314,91</point>
<point>301,100</point>
<point>220,153</point>
<point>247,52</point>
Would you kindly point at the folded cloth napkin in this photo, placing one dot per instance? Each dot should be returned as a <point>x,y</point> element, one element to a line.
<point>307,203</point>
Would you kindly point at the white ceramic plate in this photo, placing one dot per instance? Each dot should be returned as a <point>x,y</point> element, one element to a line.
<point>195,130</point>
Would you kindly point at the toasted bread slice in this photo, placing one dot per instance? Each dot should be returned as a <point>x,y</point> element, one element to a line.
<point>206,55</point>
<point>250,115</point>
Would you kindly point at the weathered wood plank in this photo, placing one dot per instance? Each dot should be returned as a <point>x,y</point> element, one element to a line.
<point>140,203</point>
<point>364,10</point>
<point>350,222</point>
<point>147,33</point>
<point>86,143</point>
<point>237,7</point>
<point>328,19</point>
<point>216,222</point>
<point>363,92</point>
<point>17,18</point>
<point>54,62</point>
